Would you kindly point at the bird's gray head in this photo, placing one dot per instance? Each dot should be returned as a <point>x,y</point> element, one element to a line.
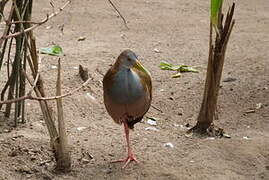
<point>127,59</point>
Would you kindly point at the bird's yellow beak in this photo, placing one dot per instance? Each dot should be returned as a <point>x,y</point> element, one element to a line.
<point>139,67</point>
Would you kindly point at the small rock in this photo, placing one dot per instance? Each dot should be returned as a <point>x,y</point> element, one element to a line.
<point>91,97</point>
<point>81,38</point>
<point>211,138</point>
<point>85,161</point>
<point>250,111</point>
<point>226,135</point>
<point>188,134</point>
<point>28,176</point>
<point>157,50</point>
<point>176,125</point>
<point>151,129</point>
<point>81,128</point>
<point>25,150</point>
<point>32,158</point>
<point>246,137</point>
<point>83,73</point>
<point>152,122</point>
<point>13,153</point>
<point>6,130</point>
<point>168,145</point>
<point>18,136</point>
<point>229,79</point>
<point>53,67</point>
<point>259,106</point>
<point>183,128</point>
<point>46,162</point>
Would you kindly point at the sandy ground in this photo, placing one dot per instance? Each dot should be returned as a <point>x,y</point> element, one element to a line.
<point>179,30</point>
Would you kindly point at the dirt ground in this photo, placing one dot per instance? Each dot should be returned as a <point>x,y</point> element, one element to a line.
<point>179,30</point>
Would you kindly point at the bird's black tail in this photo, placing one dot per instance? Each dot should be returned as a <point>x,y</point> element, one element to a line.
<point>132,121</point>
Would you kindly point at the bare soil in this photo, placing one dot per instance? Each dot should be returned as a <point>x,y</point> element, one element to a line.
<point>179,30</point>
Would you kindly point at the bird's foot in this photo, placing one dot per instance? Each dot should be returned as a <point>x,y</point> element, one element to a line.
<point>127,160</point>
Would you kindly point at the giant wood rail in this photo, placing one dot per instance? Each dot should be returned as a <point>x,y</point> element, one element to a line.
<point>127,94</point>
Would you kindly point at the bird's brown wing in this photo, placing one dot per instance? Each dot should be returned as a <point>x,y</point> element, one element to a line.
<point>147,85</point>
<point>146,81</point>
<point>113,109</point>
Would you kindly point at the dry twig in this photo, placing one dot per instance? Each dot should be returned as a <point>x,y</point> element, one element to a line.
<point>30,97</point>
<point>124,21</point>
<point>36,25</point>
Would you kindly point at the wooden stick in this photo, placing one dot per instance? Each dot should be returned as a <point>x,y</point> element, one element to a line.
<point>62,154</point>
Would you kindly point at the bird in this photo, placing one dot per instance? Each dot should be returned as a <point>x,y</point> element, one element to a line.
<point>127,93</point>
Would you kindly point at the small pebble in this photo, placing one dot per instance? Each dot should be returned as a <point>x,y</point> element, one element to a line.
<point>157,50</point>
<point>81,128</point>
<point>259,106</point>
<point>250,111</point>
<point>90,96</point>
<point>169,145</point>
<point>82,38</point>
<point>151,122</point>
<point>229,79</point>
<point>151,129</point>
<point>85,161</point>
<point>53,67</point>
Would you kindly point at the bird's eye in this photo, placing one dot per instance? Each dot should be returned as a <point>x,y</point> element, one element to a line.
<point>129,59</point>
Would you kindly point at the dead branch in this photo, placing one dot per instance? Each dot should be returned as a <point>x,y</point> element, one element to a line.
<point>35,26</point>
<point>30,97</point>
<point>124,21</point>
<point>6,30</point>
<point>27,22</point>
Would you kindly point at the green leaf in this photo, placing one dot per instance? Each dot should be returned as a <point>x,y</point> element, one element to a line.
<point>180,68</point>
<point>167,66</point>
<point>54,50</point>
<point>185,68</point>
<point>215,7</point>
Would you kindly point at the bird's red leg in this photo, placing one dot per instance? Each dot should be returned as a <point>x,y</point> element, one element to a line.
<point>130,156</point>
